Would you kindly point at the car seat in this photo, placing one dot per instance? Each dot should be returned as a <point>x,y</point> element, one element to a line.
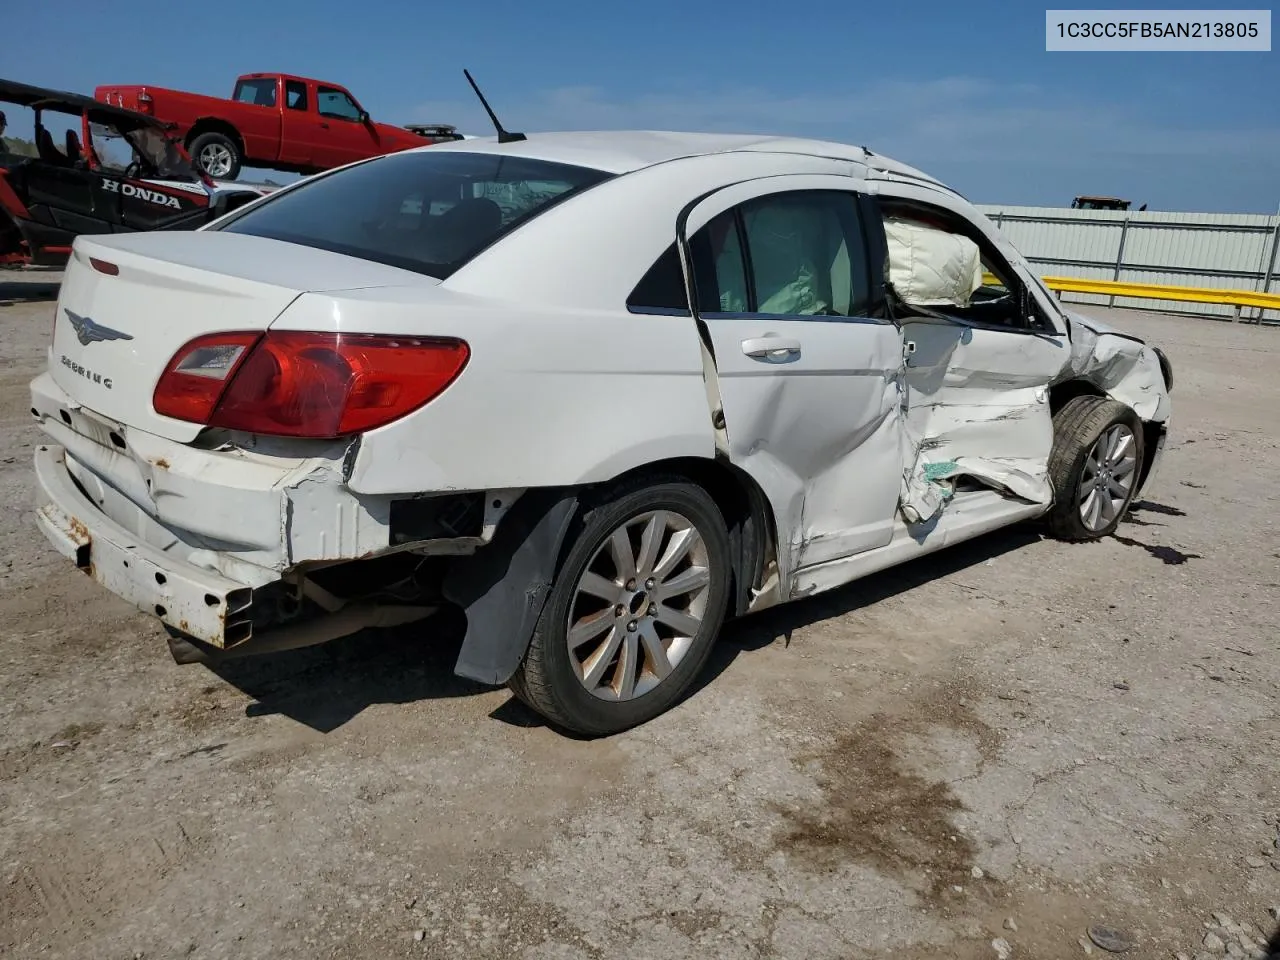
<point>74,152</point>
<point>48,152</point>
<point>465,226</point>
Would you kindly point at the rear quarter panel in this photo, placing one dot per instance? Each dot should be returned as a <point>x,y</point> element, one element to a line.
<point>549,397</point>
<point>564,386</point>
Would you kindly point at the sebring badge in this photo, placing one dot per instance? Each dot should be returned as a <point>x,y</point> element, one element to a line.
<point>87,331</point>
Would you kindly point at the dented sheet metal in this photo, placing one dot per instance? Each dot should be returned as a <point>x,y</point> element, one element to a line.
<point>818,428</point>
<point>1124,368</point>
<point>977,406</point>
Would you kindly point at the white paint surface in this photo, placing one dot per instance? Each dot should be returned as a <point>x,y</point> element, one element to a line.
<point>855,432</point>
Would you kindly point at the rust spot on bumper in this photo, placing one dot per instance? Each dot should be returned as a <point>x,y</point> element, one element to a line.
<point>161,463</point>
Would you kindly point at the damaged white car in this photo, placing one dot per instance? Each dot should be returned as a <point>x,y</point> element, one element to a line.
<point>599,391</point>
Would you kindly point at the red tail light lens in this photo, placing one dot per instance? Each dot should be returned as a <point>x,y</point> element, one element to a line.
<point>193,382</point>
<point>302,384</point>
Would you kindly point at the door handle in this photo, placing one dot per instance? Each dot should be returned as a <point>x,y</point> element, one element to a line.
<point>771,349</point>
<point>323,125</point>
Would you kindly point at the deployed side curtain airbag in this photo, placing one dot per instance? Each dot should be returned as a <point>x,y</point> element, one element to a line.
<point>930,267</point>
<point>784,263</point>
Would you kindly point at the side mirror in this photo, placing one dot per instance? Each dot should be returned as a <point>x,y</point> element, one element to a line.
<point>364,116</point>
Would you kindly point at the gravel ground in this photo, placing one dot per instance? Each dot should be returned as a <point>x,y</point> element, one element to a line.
<point>991,752</point>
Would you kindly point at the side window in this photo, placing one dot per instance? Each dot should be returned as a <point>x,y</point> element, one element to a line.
<point>336,103</point>
<point>790,254</point>
<point>807,255</point>
<point>939,262</point>
<point>260,91</point>
<point>661,289</point>
<point>719,267</point>
<point>295,95</point>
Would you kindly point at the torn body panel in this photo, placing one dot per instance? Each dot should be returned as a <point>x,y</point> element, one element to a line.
<point>1123,367</point>
<point>503,588</point>
<point>977,406</point>
<point>220,544</point>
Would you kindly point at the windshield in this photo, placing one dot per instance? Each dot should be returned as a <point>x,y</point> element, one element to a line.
<point>429,212</point>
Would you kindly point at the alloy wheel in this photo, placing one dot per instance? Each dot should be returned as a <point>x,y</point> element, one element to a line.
<point>638,605</point>
<point>1107,479</point>
<point>215,160</point>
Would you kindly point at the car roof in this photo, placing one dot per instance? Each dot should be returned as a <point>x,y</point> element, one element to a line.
<point>623,151</point>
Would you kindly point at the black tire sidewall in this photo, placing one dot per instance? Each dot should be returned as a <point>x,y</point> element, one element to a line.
<point>585,712</point>
<point>1067,505</point>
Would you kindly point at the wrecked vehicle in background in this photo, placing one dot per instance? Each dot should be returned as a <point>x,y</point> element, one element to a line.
<point>46,201</point>
<point>599,391</point>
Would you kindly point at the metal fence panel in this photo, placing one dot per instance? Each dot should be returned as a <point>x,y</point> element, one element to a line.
<point>1222,250</point>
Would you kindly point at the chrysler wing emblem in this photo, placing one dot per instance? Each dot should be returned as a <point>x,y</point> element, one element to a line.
<point>87,331</point>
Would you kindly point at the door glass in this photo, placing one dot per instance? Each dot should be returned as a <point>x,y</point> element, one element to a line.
<point>719,271</point>
<point>295,95</point>
<point>261,92</point>
<point>662,288</point>
<point>336,103</point>
<point>806,255</point>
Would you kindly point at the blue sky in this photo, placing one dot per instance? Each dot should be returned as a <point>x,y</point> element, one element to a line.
<point>964,91</point>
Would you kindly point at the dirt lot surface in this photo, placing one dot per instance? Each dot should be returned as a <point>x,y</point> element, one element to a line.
<point>1010,742</point>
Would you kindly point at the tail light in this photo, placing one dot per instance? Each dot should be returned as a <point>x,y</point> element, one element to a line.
<point>302,384</point>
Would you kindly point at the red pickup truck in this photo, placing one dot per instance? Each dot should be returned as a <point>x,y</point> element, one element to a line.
<point>273,120</point>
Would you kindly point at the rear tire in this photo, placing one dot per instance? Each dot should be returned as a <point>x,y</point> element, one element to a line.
<point>1094,467</point>
<point>216,154</point>
<point>638,649</point>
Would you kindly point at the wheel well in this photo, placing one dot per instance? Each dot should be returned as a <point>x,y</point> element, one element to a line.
<point>1063,393</point>
<point>747,515</point>
<point>1060,394</point>
<point>1150,439</point>
<point>214,125</point>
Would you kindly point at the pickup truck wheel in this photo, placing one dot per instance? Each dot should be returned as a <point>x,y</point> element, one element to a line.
<point>217,155</point>
<point>1094,467</point>
<point>634,610</point>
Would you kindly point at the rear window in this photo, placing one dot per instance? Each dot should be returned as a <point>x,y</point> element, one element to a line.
<point>429,212</point>
<point>261,91</point>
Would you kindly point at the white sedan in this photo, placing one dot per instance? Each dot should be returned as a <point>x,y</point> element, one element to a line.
<point>600,391</point>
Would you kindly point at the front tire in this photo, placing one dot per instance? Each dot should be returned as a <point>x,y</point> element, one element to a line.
<point>217,155</point>
<point>1094,467</point>
<point>634,610</point>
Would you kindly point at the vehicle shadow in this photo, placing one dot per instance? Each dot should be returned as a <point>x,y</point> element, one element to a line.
<point>759,630</point>
<point>325,686</point>
<point>28,291</point>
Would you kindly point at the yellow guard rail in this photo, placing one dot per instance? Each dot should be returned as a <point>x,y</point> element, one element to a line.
<point>1159,291</point>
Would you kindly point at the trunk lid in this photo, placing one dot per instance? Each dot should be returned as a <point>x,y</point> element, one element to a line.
<point>114,333</point>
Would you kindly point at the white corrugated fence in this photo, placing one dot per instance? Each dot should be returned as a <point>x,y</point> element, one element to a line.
<point>1219,250</point>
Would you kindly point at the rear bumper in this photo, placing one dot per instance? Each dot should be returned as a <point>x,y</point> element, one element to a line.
<point>198,602</point>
